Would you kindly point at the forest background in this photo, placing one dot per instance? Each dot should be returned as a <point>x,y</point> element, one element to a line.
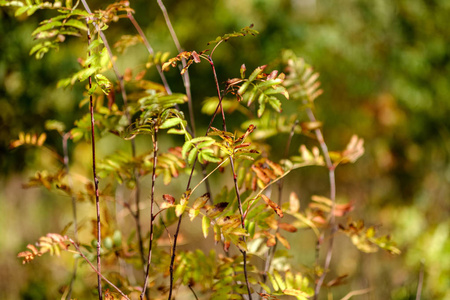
<point>385,69</point>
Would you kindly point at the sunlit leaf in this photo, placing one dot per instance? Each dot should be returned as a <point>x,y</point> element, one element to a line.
<point>205,225</point>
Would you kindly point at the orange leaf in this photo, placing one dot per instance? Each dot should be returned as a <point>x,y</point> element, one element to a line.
<point>169,198</point>
<point>261,174</point>
<point>283,241</point>
<point>273,205</point>
<point>287,227</point>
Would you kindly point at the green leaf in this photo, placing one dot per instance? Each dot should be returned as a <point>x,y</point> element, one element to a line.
<point>185,149</point>
<point>275,103</point>
<point>209,157</point>
<point>46,26</point>
<point>243,88</point>
<point>205,225</point>
<point>193,213</point>
<point>262,108</point>
<point>255,73</point>
<point>273,282</point>
<point>170,123</point>
<point>265,287</point>
<point>279,280</point>
<point>77,24</point>
<point>297,293</point>
<point>21,10</point>
<point>180,208</point>
<point>192,155</point>
<point>270,82</point>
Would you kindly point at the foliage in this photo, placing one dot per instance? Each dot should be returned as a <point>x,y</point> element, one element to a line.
<point>156,113</point>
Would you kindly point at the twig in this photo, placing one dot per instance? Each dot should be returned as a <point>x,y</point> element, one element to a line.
<point>186,78</point>
<point>150,50</point>
<point>119,77</point>
<point>65,137</point>
<point>272,250</point>
<point>96,270</point>
<point>236,187</point>
<point>420,283</point>
<point>175,237</point>
<point>97,200</point>
<point>331,220</point>
<point>192,290</point>
<point>152,200</point>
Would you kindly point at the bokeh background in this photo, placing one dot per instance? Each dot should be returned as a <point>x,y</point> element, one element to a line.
<point>385,71</point>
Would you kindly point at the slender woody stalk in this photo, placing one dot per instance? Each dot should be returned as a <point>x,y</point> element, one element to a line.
<point>331,221</point>
<point>136,215</point>
<point>271,251</point>
<point>97,200</point>
<point>96,270</point>
<point>65,137</point>
<point>236,187</point>
<point>186,78</point>
<point>152,217</point>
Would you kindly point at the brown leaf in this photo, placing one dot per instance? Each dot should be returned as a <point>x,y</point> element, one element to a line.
<point>283,240</point>
<point>226,245</point>
<point>273,205</point>
<point>128,74</point>
<point>342,209</point>
<point>337,281</point>
<point>271,242</point>
<point>261,174</point>
<point>276,167</point>
<point>140,75</point>
<point>214,210</point>
<point>287,227</point>
<point>169,198</point>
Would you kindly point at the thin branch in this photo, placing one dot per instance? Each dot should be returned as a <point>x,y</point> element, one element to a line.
<point>119,77</point>
<point>96,270</point>
<point>236,187</point>
<point>331,221</point>
<point>97,200</point>
<point>272,250</point>
<point>193,292</point>
<point>224,125</point>
<point>205,177</point>
<point>65,137</point>
<point>244,253</point>
<point>420,283</point>
<point>175,237</point>
<point>150,50</point>
<point>186,78</point>
<point>152,200</point>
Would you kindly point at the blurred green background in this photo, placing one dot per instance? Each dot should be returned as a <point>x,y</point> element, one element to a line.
<point>385,71</point>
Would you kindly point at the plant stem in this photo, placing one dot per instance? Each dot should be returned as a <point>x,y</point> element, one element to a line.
<point>186,78</point>
<point>272,250</point>
<point>136,215</point>
<point>96,270</point>
<point>65,137</point>
<point>331,221</point>
<point>236,187</point>
<point>193,292</point>
<point>420,283</point>
<point>150,50</point>
<point>175,237</point>
<point>152,200</point>
<point>97,200</point>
